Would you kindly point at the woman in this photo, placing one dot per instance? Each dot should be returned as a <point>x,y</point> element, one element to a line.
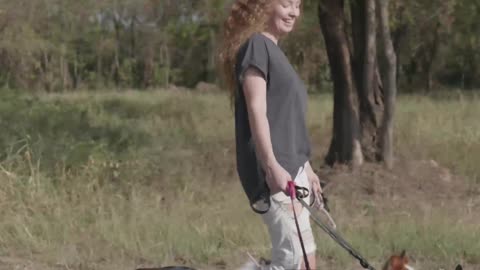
<point>271,135</point>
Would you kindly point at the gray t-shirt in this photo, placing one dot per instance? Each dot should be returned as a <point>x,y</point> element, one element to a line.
<point>286,114</point>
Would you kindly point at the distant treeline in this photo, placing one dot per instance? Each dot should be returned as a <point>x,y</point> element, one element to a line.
<point>63,45</point>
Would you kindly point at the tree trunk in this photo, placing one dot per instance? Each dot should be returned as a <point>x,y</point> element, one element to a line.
<point>76,79</point>
<point>63,70</point>
<point>116,61</point>
<point>45,70</point>
<point>165,62</point>
<point>358,90</point>
<point>367,77</point>
<point>430,58</point>
<point>211,56</point>
<point>148,78</point>
<point>386,140</point>
<point>133,42</point>
<point>99,76</point>
<point>345,145</point>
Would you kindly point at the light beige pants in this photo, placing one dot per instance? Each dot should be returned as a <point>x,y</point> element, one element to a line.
<point>286,248</point>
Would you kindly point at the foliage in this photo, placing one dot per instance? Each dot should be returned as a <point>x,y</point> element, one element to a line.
<point>58,45</point>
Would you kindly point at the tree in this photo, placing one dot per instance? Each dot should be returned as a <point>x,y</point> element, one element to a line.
<point>345,144</point>
<point>421,31</point>
<point>386,141</point>
<point>61,45</point>
<point>363,113</point>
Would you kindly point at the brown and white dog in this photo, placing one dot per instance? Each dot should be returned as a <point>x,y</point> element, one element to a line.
<point>400,262</point>
<point>396,262</point>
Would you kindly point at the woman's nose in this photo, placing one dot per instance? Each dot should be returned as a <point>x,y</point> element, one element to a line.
<point>294,12</point>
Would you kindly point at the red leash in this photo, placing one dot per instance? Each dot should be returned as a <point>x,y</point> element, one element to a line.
<point>292,192</point>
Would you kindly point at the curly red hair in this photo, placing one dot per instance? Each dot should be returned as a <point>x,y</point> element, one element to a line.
<point>245,18</point>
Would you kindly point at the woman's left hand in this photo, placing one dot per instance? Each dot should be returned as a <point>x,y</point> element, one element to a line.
<point>314,180</point>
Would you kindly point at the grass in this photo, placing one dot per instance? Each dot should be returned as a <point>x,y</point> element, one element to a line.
<point>115,180</point>
<point>444,130</point>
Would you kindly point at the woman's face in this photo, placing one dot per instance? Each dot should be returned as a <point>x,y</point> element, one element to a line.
<point>284,13</point>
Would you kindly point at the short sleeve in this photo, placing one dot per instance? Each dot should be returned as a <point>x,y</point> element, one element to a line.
<point>253,54</point>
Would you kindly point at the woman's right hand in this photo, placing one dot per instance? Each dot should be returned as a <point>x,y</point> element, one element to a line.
<point>277,178</point>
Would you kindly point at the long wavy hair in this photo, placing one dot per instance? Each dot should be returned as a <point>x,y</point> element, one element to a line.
<point>245,18</point>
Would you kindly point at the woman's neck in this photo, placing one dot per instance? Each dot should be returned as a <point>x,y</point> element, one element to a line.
<point>271,36</point>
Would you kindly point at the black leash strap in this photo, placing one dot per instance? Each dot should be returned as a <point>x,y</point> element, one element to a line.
<point>292,189</point>
<point>336,237</point>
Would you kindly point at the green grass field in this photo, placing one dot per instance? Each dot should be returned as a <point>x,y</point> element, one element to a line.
<point>116,180</point>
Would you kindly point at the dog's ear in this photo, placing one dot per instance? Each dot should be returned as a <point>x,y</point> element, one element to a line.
<point>459,267</point>
<point>404,257</point>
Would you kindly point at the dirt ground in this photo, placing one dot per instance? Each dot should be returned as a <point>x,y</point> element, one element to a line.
<point>409,185</point>
<point>413,189</point>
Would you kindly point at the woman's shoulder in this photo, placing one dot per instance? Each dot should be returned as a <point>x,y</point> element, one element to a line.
<point>258,37</point>
<point>255,38</point>
<point>255,41</point>
<point>258,41</point>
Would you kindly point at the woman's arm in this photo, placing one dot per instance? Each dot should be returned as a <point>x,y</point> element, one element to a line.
<point>255,90</point>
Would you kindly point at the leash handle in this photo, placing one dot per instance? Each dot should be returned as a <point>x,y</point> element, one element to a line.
<point>292,190</point>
